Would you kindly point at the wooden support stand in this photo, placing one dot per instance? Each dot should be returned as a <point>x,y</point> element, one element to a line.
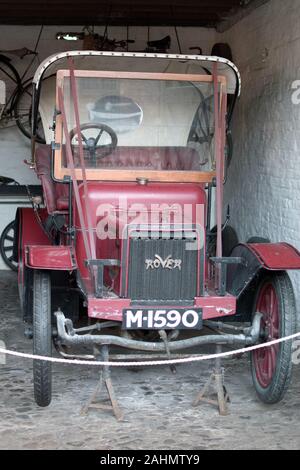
<point>216,383</point>
<point>111,402</point>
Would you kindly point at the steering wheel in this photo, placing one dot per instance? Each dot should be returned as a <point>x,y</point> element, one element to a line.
<point>92,143</point>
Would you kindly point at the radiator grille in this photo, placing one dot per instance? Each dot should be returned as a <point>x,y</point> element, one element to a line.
<point>161,283</point>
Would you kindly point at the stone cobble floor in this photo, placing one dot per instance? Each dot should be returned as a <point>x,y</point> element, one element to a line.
<point>156,404</point>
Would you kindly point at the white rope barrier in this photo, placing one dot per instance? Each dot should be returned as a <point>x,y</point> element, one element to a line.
<point>150,363</point>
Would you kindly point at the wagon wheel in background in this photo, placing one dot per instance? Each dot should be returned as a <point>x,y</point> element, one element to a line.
<point>202,134</point>
<point>7,246</point>
<point>11,78</point>
<point>22,113</point>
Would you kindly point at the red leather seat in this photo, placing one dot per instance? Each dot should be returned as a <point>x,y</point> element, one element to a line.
<point>149,158</point>
<point>55,194</point>
<point>138,158</point>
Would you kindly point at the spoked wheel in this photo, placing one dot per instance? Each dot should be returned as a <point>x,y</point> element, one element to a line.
<point>272,367</point>
<point>11,78</point>
<point>7,246</point>
<point>23,111</point>
<point>42,337</point>
<point>202,134</point>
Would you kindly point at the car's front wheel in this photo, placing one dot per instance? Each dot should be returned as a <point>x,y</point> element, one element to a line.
<point>42,337</point>
<point>272,367</point>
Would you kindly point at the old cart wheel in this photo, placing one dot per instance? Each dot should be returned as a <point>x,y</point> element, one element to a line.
<point>23,111</point>
<point>7,246</point>
<point>272,367</point>
<point>42,337</point>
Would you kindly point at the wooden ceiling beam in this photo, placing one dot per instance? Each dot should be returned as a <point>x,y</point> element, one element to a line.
<point>116,12</point>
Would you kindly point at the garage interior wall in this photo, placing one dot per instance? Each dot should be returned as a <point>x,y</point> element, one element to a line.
<point>263,187</point>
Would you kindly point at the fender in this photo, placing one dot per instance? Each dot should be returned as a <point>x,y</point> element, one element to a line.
<point>49,257</point>
<point>27,231</point>
<point>257,257</point>
<point>32,250</point>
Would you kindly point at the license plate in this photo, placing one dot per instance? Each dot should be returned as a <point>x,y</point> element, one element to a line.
<point>162,319</point>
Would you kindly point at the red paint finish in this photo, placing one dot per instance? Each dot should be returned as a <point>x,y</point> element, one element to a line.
<point>107,309</point>
<point>59,258</point>
<point>216,307</point>
<point>265,359</point>
<point>111,309</point>
<point>277,256</point>
<point>122,201</point>
<point>29,232</point>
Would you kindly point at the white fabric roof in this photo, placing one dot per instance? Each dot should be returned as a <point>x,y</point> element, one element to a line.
<point>141,62</point>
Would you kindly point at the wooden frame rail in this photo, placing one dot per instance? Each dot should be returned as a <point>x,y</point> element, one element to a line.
<point>96,174</point>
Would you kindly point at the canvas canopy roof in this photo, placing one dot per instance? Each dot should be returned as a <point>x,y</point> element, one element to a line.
<point>44,98</point>
<point>141,62</point>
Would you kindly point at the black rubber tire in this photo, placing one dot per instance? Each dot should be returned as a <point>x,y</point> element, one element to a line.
<point>42,337</point>
<point>229,238</point>
<point>222,50</point>
<point>277,389</point>
<point>258,240</point>
<point>7,246</point>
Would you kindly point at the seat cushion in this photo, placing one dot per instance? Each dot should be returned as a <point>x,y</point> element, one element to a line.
<point>147,158</point>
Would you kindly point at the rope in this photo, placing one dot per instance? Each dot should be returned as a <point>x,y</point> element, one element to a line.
<point>150,363</point>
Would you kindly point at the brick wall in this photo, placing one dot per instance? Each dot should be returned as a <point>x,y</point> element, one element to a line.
<point>263,188</point>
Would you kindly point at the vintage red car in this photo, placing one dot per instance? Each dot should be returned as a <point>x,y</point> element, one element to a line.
<point>132,174</point>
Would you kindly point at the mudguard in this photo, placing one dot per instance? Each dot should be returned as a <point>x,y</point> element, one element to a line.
<point>33,250</point>
<point>27,231</point>
<point>256,257</point>
<point>49,257</point>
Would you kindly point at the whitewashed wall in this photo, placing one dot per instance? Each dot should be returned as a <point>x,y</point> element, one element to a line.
<point>14,147</point>
<point>263,188</point>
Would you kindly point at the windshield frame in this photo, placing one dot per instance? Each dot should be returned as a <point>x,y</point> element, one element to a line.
<point>62,173</point>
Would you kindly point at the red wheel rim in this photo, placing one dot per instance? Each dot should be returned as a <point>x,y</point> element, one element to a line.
<point>265,359</point>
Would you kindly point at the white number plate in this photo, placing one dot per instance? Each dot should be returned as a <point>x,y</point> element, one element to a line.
<point>168,319</point>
